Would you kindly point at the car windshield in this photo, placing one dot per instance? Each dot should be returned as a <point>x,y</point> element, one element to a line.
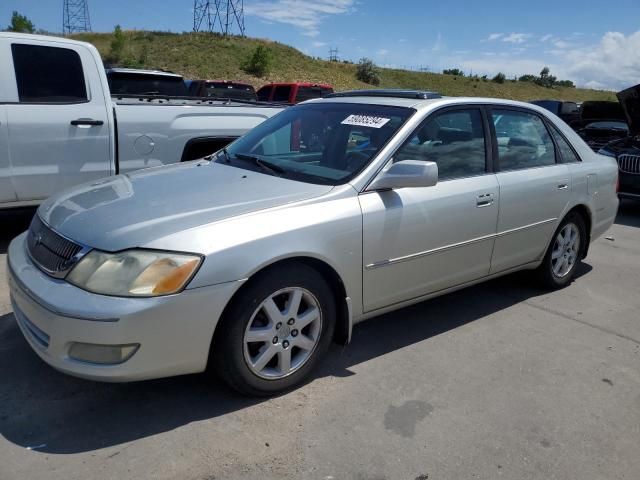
<point>146,84</point>
<point>325,143</point>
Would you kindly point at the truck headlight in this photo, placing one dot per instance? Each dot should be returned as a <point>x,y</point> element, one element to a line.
<point>134,273</point>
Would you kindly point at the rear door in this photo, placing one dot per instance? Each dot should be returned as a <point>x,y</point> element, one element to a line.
<point>535,187</point>
<point>58,123</point>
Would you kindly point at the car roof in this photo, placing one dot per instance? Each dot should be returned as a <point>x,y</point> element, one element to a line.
<point>420,104</point>
<point>139,71</point>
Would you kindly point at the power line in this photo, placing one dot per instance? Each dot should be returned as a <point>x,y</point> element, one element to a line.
<point>218,16</point>
<point>75,16</point>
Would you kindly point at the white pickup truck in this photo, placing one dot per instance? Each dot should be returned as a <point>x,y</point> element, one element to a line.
<point>60,126</point>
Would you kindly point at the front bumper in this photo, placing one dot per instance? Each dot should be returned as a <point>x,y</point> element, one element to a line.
<point>174,332</point>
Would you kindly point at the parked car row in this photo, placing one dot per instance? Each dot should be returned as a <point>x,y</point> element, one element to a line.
<point>330,213</point>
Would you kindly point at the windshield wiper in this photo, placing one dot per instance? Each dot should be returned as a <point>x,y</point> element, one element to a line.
<point>264,164</point>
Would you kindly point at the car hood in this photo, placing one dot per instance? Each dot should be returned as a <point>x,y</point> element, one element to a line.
<point>630,101</point>
<point>132,210</point>
<point>601,110</point>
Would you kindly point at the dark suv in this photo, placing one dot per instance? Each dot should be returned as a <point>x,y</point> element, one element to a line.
<point>626,150</point>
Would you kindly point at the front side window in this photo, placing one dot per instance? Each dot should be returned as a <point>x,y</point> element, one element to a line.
<point>48,74</point>
<point>523,140</point>
<point>325,143</point>
<point>567,154</point>
<point>454,140</point>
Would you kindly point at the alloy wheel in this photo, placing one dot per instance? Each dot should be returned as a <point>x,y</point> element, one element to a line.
<point>282,333</point>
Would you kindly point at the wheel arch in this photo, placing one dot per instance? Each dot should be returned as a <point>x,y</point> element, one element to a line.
<point>584,211</point>
<point>344,320</point>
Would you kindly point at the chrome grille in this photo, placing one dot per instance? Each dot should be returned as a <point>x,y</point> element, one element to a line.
<point>51,252</point>
<point>629,163</point>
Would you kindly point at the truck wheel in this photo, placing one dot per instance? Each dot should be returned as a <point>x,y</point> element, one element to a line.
<point>564,253</point>
<point>275,331</point>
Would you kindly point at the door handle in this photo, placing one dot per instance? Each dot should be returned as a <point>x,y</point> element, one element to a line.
<point>563,186</point>
<point>86,121</point>
<point>484,200</point>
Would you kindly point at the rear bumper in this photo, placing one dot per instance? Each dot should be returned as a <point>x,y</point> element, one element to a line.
<point>174,332</point>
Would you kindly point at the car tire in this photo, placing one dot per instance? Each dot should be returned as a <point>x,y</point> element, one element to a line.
<point>564,254</point>
<point>265,346</point>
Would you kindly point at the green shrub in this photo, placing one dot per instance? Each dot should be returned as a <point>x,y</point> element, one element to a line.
<point>259,62</point>
<point>118,43</point>
<point>499,78</point>
<point>367,72</point>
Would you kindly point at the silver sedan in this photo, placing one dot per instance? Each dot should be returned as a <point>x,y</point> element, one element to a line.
<point>334,211</point>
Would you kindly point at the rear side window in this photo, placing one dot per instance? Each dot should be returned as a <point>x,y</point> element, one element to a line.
<point>308,93</point>
<point>567,154</point>
<point>282,93</point>
<point>263,94</point>
<point>48,74</point>
<point>523,140</point>
<point>454,140</point>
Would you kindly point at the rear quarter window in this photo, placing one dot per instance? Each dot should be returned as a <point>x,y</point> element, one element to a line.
<point>282,93</point>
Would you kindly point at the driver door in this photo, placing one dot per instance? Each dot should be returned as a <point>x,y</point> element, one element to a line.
<point>421,240</point>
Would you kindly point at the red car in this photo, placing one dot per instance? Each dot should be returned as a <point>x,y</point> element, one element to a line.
<point>293,92</point>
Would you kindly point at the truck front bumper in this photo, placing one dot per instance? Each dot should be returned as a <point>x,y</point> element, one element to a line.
<point>168,335</point>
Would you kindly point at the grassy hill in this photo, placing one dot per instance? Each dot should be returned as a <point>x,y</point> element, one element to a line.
<point>211,56</point>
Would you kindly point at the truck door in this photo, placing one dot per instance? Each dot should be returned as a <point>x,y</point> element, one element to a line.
<point>58,122</point>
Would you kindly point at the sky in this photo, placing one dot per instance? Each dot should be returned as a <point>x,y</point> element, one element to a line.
<point>596,44</point>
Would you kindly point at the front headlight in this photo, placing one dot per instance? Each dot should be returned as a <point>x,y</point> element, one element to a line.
<point>134,273</point>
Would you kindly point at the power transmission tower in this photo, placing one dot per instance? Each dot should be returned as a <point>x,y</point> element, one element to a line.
<point>75,16</point>
<point>218,16</point>
<point>333,54</point>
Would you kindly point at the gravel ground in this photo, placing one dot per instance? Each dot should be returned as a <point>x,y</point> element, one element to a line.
<point>495,381</point>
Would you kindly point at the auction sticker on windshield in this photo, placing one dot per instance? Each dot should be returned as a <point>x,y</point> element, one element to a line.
<point>365,121</point>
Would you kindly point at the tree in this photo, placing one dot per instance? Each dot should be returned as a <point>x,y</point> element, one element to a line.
<point>20,23</point>
<point>454,71</point>
<point>117,45</point>
<point>367,72</point>
<point>499,78</point>
<point>527,78</point>
<point>259,62</point>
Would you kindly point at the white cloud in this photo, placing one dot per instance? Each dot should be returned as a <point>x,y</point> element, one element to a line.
<point>319,44</point>
<point>546,38</point>
<point>382,52</point>
<point>613,63</point>
<point>516,37</point>
<point>307,16</point>
<point>494,36</point>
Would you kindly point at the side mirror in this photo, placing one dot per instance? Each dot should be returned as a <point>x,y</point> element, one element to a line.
<point>407,174</point>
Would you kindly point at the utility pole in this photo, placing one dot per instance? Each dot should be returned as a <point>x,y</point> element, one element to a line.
<point>333,54</point>
<point>75,16</point>
<point>218,16</point>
